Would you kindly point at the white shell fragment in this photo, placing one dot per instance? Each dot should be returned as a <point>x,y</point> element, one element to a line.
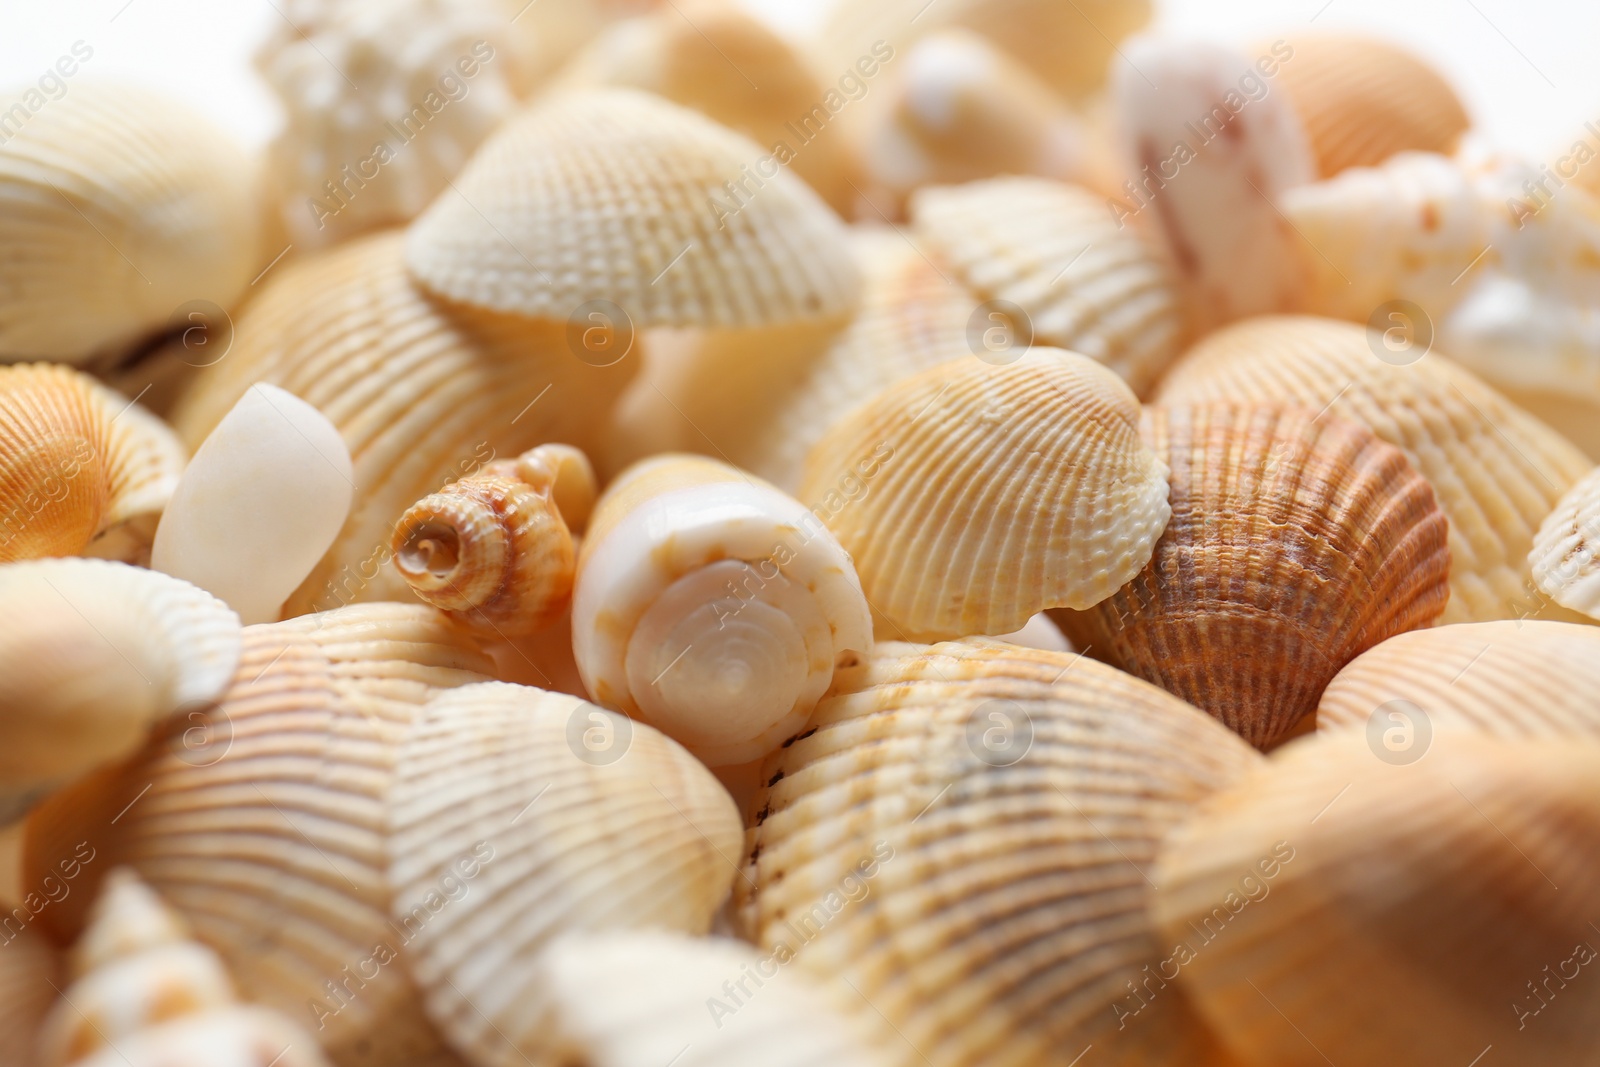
<point>1566,551</point>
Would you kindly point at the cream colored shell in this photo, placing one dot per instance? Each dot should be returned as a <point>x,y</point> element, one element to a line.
<point>1566,553</point>
<point>30,969</point>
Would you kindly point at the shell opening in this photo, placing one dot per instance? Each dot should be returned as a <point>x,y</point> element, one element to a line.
<point>432,549</point>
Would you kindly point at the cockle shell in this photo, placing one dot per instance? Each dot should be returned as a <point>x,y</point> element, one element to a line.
<point>98,652</point>
<point>263,822</point>
<point>81,469</point>
<point>634,833</point>
<point>30,969</point>
<point>997,491</point>
<point>1363,100</point>
<point>1296,543</point>
<point>1336,908</point>
<point>421,392</point>
<point>1513,678</point>
<point>1566,552</point>
<point>125,194</point>
<point>713,607</point>
<point>495,549</point>
<point>959,847</point>
<point>1495,470</point>
<point>1082,282</point>
<point>615,195</point>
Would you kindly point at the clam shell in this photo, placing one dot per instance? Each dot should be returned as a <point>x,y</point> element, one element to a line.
<point>487,868</point>
<point>957,849</point>
<point>1332,907</point>
<point>422,393</point>
<point>29,973</point>
<point>1083,282</point>
<point>263,822</point>
<point>616,195</point>
<point>996,491</point>
<point>1495,470</point>
<point>1296,543</point>
<point>81,469</point>
<point>125,194</point>
<point>713,607</point>
<point>1363,100</point>
<point>1566,552</point>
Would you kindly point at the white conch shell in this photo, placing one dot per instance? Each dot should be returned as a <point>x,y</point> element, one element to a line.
<point>713,606</point>
<point>1566,551</point>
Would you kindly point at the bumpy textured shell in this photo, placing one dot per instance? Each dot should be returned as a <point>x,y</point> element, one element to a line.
<point>1296,543</point>
<point>621,196</point>
<point>30,969</point>
<point>1495,470</point>
<point>1522,678</point>
<point>263,822</point>
<point>79,463</point>
<point>996,492</point>
<point>1363,100</point>
<point>1083,282</point>
<point>422,393</point>
<point>1338,909</point>
<point>1566,553</point>
<point>508,824</point>
<point>960,847</point>
<point>117,206</point>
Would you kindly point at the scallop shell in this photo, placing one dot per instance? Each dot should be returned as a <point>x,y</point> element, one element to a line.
<point>1566,553</point>
<point>615,195</point>
<point>1082,282</point>
<point>487,868</point>
<point>263,822</point>
<point>1296,543</point>
<point>81,469</point>
<point>125,194</point>
<point>99,653</point>
<point>422,393</point>
<point>1334,908</point>
<point>957,849</point>
<point>996,492</point>
<point>1512,679</point>
<point>1363,100</point>
<point>1495,470</point>
<point>29,975</point>
<point>713,607</point>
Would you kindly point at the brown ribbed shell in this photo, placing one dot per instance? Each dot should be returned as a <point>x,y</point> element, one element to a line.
<point>29,964</point>
<point>1296,543</point>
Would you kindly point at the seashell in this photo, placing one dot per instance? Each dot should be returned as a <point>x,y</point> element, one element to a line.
<point>386,102</point>
<point>1039,632</point>
<point>81,470</point>
<point>713,607</point>
<point>1522,678</point>
<point>1082,281</point>
<point>253,547</point>
<point>101,652</point>
<point>546,36</point>
<point>1421,900</point>
<point>637,999</point>
<point>494,549</point>
<point>263,823</point>
<point>997,492</point>
<point>126,194</point>
<point>1211,164</point>
<point>634,834</point>
<point>146,995</point>
<point>959,841</point>
<point>1575,417</point>
<point>669,215</point>
<point>421,393</point>
<point>1296,543</point>
<point>1363,100</point>
<point>543,660</point>
<point>1495,470</point>
<point>29,974</point>
<point>1566,552</point>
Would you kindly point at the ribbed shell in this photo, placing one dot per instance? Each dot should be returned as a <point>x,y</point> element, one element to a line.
<point>547,36</point>
<point>1495,470</point>
<point>77,461</point>
<point>1296,543</point>
<point>1363,100</point>
<point>1566,553</point>
<point>997,491</point>
<point>263,822</point>
<point>422,393</point>
<point>30,969</point>
<point>496,789</point>
<point>985,901</point>
<point>117,205</point>
<point>1399,914</point>
<point>1083,282</point>
<point>618,195</point>
<point>1522,678</point>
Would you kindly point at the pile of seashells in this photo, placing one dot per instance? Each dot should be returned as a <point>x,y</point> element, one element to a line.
<point>628,540</point>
